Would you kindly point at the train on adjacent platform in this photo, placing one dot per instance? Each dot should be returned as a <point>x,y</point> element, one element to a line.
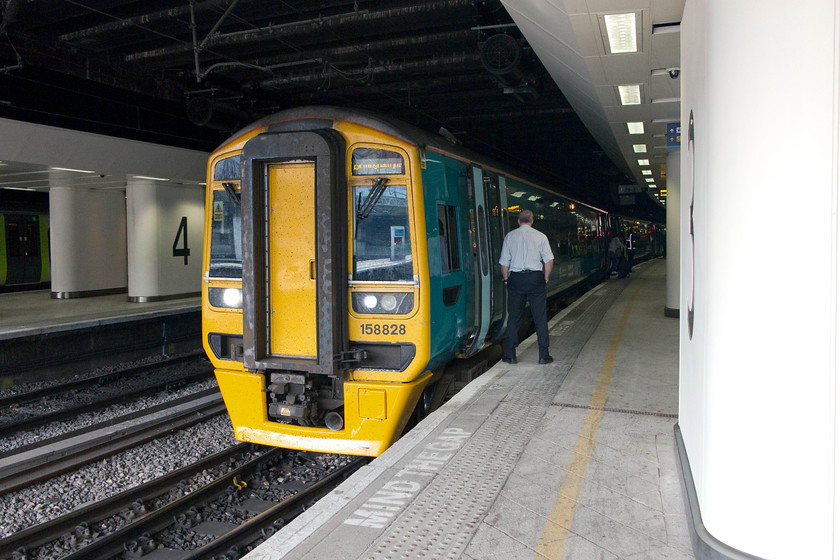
<point>349,259</point>
<point>24,241</point>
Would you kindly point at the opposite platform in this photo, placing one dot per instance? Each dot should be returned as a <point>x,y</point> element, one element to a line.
<point>35,312</point>
<point>42,338</point>
<point>574,459</point>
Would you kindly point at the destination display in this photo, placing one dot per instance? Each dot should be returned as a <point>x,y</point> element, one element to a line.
<point>371,161</point>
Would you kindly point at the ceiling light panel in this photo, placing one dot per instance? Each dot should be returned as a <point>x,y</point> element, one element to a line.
<point>640,148</point>
<point>636,127</point>
<point>630,94</point>
<point>644,162</point>
<point>621,32</point>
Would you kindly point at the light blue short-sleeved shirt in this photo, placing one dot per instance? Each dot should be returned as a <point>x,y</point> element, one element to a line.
<point>525,249</point>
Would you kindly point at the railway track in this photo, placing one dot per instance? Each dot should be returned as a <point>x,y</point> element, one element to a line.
<point>188,514</point>
<point>42,460</point>
<point>10,401</point>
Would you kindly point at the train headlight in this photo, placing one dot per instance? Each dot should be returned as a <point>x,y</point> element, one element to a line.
<point>229,298</point>
<point>393,303</point>
<point>388,302</point>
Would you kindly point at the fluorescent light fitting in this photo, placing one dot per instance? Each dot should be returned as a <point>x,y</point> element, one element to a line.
<point>19,189</point>
<point>621,31</point>
<point>640,148</point>
<point>647,172</point>
<point>643,162</point>
<point>650,179</point>
<point>636,127</point>
<point>630,94</point>
<point>150,178</point>
<point>71,170</point>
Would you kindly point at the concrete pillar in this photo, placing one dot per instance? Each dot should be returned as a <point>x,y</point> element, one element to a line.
<point>87,239</point>
<point>165,239</point>
<point>759,298</point>
<point>672,231</point>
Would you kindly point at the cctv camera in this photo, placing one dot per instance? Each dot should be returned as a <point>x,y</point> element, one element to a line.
<point>674,73</point>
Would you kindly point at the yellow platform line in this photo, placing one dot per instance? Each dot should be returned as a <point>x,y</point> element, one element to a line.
<point>556,533</point>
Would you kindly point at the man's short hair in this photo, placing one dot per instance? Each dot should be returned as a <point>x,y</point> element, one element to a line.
<point>526,217</point>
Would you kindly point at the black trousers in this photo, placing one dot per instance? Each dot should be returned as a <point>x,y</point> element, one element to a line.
<point>526,286</point>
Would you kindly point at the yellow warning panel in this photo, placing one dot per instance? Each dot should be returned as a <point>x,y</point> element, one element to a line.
<point>291,246</point>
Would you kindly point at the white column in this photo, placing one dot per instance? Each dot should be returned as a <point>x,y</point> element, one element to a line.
<point>87,239</point>
<point>759,298</point>
<point>165,239</point>
<point>672,231</point>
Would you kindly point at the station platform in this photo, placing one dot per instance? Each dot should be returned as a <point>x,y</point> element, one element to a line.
<point>35,312</point>
<point>43,338</point>
<point>574,459</point>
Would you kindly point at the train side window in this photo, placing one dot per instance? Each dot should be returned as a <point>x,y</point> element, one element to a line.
<point>33,238</point>
<point>450,260</point>
<point>13,239</point>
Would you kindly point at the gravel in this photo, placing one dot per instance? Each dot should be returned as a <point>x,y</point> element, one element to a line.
<point>60,495</point>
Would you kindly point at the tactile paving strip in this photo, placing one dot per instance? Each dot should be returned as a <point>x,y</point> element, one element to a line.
<point>442,520</point>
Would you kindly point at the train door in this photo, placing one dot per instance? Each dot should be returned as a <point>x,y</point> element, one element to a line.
<point>294,221</point>
<point>292,293</point>
<point>23,249</point>
<point>497,227</point>
<point>486,299</point>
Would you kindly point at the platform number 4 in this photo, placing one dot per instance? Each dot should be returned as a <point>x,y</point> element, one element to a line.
<point>183,251</point>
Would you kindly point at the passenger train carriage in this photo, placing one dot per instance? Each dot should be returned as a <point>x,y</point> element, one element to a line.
<point>349,259</point>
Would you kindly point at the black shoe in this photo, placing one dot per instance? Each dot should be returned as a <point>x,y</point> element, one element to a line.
<point>509,360</point>
<point>546,360</point>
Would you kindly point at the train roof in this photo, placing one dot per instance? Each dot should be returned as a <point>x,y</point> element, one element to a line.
<point>401,130</point>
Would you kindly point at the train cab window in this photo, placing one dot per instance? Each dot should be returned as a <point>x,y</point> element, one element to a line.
<point>226,236</point>
<point>228,169</point>
<point>450,260</point>
<point>381,240</point>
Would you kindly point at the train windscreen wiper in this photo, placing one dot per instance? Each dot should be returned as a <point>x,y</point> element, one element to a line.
<point>365,207</point>
<point>234,196</point>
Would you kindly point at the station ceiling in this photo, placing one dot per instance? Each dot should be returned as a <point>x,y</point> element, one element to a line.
<point>189,73</point>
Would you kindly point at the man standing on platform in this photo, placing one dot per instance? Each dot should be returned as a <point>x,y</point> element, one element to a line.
<point>526,262</point>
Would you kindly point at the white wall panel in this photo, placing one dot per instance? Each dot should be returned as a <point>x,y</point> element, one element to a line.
<point>156,212</point>
<point>759,189</point>
<point>87,240</point>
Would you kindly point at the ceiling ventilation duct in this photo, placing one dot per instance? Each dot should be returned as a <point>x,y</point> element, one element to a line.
<point>205,110</point>
<point>501,55</point>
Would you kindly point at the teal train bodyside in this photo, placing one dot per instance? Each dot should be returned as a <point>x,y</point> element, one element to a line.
<point>464,271</point>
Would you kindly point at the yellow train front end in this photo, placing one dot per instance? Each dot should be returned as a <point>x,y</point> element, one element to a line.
<point>315,312</point>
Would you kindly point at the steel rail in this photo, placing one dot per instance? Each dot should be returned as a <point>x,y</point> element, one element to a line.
<point>52,530</point>
<point>31,396</point>
<point>111,545</point>
<point>36,465</point>
<point>288,509</point>
<point>98,404</point>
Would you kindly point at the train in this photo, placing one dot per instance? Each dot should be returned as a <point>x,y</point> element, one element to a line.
<point>350,259</point>
<point>24,241</point>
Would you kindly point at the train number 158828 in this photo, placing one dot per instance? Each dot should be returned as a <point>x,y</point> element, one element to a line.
<point>386,330</point>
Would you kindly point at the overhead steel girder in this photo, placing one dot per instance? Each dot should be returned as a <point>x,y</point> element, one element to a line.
<point>415,16</point>
<point>438,65</point>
